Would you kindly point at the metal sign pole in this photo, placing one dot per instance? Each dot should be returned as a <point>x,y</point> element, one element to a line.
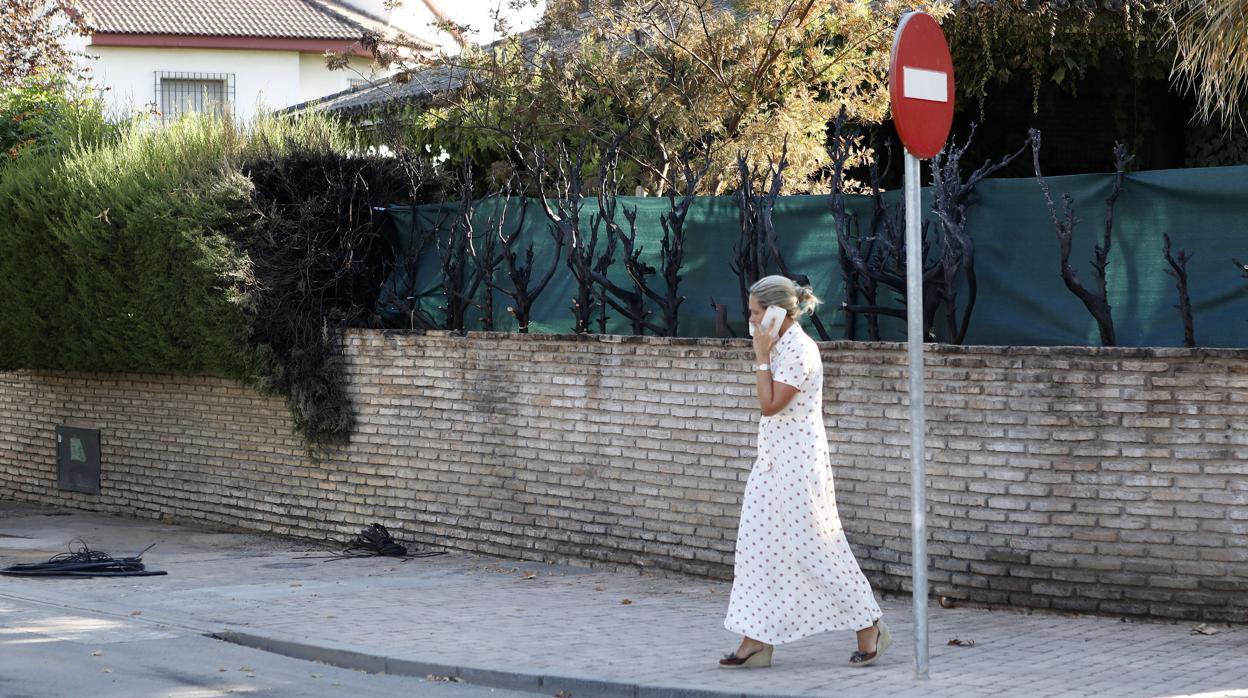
<point>921,88</point>
<point>914,330</point>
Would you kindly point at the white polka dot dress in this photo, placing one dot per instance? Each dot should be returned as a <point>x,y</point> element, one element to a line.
<point>795,574</point>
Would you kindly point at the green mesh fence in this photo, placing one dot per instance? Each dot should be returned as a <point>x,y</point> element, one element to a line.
<point>1022,299</point>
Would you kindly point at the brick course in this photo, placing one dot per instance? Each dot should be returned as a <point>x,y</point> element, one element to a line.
<point>1081,479</point>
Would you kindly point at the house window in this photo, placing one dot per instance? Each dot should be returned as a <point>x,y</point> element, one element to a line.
<point>357,83</point>
<point>201,93</point>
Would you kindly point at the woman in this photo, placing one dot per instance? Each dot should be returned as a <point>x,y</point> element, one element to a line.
<point>795,575</point>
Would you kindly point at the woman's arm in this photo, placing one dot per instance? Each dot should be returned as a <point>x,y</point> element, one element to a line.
<point>773,396</point>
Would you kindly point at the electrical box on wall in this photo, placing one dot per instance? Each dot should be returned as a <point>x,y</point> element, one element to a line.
<point>78,460</point>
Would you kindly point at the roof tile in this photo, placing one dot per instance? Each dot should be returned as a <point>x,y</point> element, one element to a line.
<point>295,19</point>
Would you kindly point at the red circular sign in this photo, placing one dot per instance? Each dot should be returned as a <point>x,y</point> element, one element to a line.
<point>920,84</point>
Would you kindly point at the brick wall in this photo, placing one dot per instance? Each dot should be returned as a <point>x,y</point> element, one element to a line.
<point>1110,480</point>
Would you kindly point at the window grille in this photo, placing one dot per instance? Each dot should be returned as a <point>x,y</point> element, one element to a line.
<point>202,93</point>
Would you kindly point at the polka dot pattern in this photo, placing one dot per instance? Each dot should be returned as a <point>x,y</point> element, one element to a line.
<point>795,574</point>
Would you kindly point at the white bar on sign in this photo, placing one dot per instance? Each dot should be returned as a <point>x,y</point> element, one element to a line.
<point>928,85</point>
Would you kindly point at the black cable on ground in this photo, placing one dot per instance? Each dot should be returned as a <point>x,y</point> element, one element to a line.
<point>374,541</point>
<point>84,562</point>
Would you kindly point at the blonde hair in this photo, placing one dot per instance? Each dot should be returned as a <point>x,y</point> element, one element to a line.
<point>782,291</point>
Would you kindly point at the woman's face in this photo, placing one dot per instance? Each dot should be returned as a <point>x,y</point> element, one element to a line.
<point>756,312</point>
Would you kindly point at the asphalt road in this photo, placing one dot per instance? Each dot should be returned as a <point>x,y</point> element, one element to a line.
<point>51,652</point>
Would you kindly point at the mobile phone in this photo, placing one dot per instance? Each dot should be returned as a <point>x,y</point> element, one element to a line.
<point>773,318</point>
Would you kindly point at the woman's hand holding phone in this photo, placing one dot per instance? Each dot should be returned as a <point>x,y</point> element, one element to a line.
<point>773,319</point>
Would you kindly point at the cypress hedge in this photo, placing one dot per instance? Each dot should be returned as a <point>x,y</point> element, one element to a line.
<point>194,248</point>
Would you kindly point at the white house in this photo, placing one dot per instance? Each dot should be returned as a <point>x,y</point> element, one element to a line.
<point>239,57</point>
<point>468,21</point>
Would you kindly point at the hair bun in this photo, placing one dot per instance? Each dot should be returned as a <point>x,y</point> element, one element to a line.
<point>806,299</point>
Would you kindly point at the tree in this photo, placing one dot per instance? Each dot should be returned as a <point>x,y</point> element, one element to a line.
<point>41,108</point>
<point>1178,271</point>
<point>32,34</point>
<point>758,242</point>
<point>1053,45</point>
<point>525,287</point>
<point>1211,38</point>
<point>953,195</point>
<point>1096,299</point>
<point>712,78</point>
<point>44,114</point>
<point>743,78</point>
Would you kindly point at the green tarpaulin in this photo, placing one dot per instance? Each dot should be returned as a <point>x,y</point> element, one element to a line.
<point>1022,299</point>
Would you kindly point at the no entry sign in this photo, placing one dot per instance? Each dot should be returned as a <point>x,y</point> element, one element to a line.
<point>920,84</point>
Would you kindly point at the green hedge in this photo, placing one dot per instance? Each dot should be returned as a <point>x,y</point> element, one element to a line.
<point>116,255</point>
<point>194,248</point>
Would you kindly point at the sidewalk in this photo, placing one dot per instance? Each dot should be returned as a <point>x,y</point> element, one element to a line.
<point>547,629</point>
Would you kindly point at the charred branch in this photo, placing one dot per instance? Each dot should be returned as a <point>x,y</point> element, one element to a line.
<point>952,197</point>
<point>523,289</point>
<point>1178,271</point>
<point>1064,222</point>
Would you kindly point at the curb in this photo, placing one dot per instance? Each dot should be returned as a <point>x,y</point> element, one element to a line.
<point>550,684</point>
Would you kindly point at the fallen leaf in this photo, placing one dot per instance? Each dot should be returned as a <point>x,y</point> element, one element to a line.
<point>945,602</point>
<point>316,676</point>
<point>295,584</point>
<point>600,588</point>
<point>222,669</point>
<point>443,679</point>
<point>563,694</point>
<point>136,613</point>
<point>1204,629</point>
<point>626,602</point>
<point>245,668</point>
<point>106,670</point>
<point>529,575</point>
<point>955,642</point>
<point>96,653</point>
